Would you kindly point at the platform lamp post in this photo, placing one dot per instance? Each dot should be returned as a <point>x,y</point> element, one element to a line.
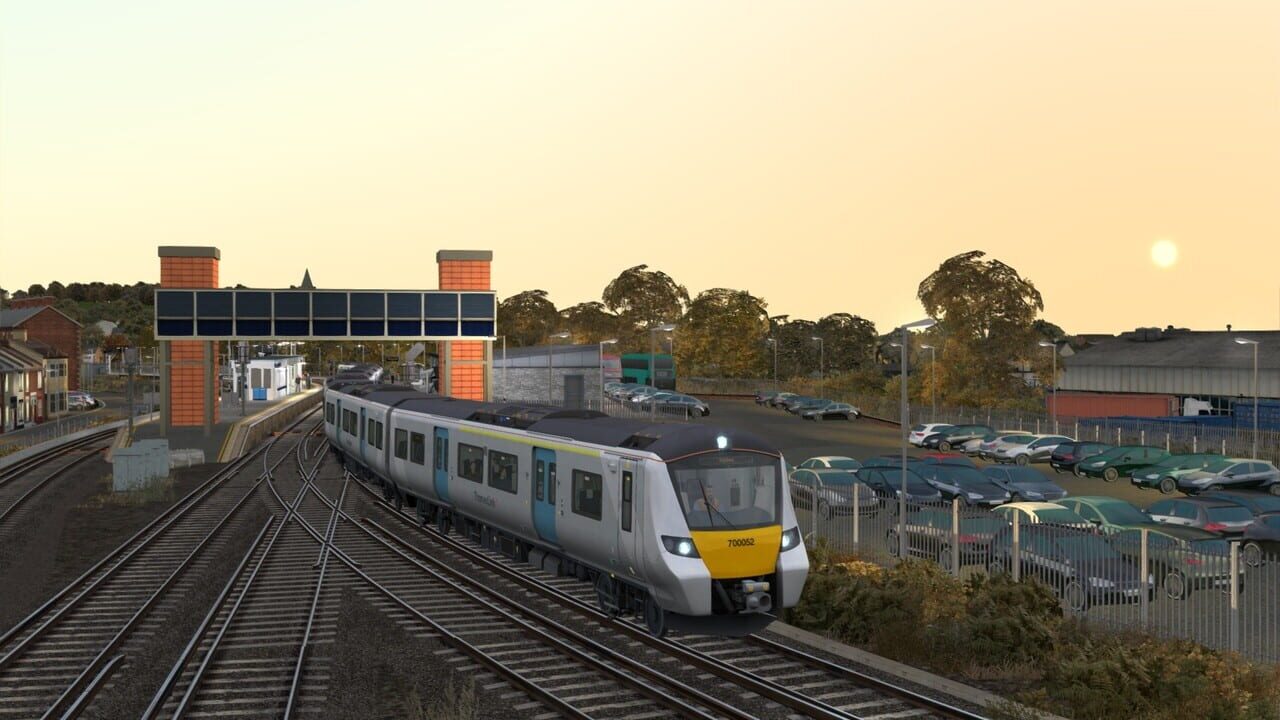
<point>933,382</point>
<point>550,373</point>
<point>1053,348</point>
<point>822,373</point>
<point>505,388</point>
<point>1254,343</point>
<point>653,381</point>
<point>610,341</point>
<point>904,414</point>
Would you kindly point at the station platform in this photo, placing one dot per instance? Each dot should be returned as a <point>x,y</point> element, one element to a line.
<point>230,434</point>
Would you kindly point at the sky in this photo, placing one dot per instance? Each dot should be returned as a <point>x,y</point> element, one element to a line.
<point>825,156</point>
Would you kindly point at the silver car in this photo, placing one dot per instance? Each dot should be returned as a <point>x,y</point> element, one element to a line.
<point>1017,451</point>
<point>1232,474</point>
<point>990,445</point>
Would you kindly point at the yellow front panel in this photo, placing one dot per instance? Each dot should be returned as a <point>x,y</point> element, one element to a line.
<point>739,553</point>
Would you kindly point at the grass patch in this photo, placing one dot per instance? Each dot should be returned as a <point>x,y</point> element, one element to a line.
<point>161,490</point>
<point>456,702</point>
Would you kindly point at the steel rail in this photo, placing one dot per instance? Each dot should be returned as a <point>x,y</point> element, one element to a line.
<point>19,468</point>
<point>89,692</point>
<point>558,627</point>
<point>765,688</point>
<point>166,687</point>
<point>315,605</point>
<point>41,483</point>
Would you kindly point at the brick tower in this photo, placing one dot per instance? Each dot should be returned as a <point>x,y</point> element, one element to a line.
<point>193,364</point>
<point>464,361</point>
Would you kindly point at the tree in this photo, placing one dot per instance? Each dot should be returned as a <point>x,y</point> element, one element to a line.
<point>643,298</point>
<point>849,341</point>
<point>91,337</point>
<point>723,334</point>
<point>987,314</point>
<point>527,318</point>
<point>589,322</point>
<point>35,290</point>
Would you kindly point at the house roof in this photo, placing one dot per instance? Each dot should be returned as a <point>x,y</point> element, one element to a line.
<point>17,356</point>
<point>1154,348</point>
<point>15,317</point>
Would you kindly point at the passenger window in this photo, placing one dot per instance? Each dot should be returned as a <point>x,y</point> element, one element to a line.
<point>1088,513</point>
<point>587,491</point>
<point>402,443</point>
<point>539,480</point>
<point>502,471</point>
<point>377,436</point>
<point>1186,511</point>
<point>626,500</point>
<point>417,448</point>
<point>1161,508</point>
<point>328,413</point>
<point>470,462</point>
<point>369,433</point>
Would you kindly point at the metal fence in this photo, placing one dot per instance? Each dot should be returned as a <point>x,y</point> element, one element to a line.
<point>1220,593</point>
<point>1173,434</point>
<point>52,430</point>
<point>618,408</point>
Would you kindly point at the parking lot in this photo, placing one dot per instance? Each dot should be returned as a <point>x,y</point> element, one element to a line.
<point>800,439</point>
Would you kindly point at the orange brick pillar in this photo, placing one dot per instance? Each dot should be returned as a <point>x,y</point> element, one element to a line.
<point>465,362</point>
<point>191,365</point>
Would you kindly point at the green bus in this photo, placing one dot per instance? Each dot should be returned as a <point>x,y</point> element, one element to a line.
<point>635,369</point>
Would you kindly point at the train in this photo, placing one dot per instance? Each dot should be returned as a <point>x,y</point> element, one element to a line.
<point>686,526</point>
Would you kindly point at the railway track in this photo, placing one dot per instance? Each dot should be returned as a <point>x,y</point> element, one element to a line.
<point>791,683</point>
<point>22,481</point>
<point>53,661</point>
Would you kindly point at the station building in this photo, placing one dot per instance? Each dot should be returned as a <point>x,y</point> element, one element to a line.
<point>574,378</point>
<point>1170,371</point>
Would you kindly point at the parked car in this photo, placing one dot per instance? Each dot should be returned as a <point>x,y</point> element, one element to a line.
<point>1036,451</point>
<point>839,462</point>
<point>987,448</point>
<point>80,400</point>
<point>1261,540</point>
<point>834,491</point>
<point>780,399</point>
<point>1024,483</point>
<point>955,435</point>
<point>920,432</point>
<point>1065,457</point>
<point>966,483</point>
<point>622,390</point>
<point>764,396</point>
<point>1108,514</point>
<point>1258,503</point>
<point>640,392</point>
<point>1207,513</point>
<point>1181,559</point>
<point>930,534</point>
<point>973,447</point>
<point>1120,461</point>
<point>1080,565</point>
<point>844,411</point>
<point>1232,473</point>
<point>941,458</point>
<point>795,407</point>
<point>676,403</point>
<point>887,483</point>
<point>1046,513</point>
<point>889,461</point>
<point>1165,474</point>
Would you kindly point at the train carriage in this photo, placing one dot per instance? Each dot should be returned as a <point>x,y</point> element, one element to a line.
<point>689,525</point>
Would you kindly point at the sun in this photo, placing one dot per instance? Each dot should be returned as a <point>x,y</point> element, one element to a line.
<point>1164,254</point>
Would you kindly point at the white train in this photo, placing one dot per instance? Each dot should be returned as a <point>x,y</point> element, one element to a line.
<point>690,525</point>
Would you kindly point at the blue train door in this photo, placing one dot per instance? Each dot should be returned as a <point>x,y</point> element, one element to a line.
<point>440,453</point>
<point>544,494</point>
<point>360,432</point>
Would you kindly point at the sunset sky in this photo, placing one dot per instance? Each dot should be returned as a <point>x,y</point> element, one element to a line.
<point>823,155</point>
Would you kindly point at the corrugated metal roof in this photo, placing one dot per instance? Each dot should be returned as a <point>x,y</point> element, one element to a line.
<point>15,358</point>
<point>1182,349</point>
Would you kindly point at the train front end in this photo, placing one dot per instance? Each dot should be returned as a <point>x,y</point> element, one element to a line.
<point>732,550</point>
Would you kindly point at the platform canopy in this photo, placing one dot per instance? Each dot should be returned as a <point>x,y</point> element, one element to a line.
<point>314,315</point>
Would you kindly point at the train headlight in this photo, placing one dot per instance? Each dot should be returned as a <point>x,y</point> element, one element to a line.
<point>722,442</point>
<point>790,539</point>
<point>681,546</point>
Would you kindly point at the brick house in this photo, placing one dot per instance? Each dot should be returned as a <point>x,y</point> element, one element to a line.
<point>45,323</point>
<point>21,383</point>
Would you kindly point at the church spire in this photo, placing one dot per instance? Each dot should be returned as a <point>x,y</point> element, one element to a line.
<point>306,280</point>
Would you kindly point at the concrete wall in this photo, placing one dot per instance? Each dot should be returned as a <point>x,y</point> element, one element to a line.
<point>530,385</point>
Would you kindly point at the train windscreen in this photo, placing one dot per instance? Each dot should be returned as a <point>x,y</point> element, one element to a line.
<point>728,490</point>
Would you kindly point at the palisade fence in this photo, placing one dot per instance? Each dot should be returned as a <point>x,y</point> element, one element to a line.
<point>52,430</point>
<point>1172,434</point>
<point>1220,593</point>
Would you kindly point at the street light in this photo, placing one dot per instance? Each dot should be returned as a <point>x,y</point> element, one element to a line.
<point>653,381</point>
<point>505,388</point>
<point>1054,351</point>
<point>822,376</point>
<point>905,414</point>
<point>1254,343</point>
<point>933,382</point>
<point>774,343</point>
<point>611,341</point>
<point>550,380</point>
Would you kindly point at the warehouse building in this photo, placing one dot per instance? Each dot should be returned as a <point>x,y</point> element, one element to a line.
<point>1154,372</point>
